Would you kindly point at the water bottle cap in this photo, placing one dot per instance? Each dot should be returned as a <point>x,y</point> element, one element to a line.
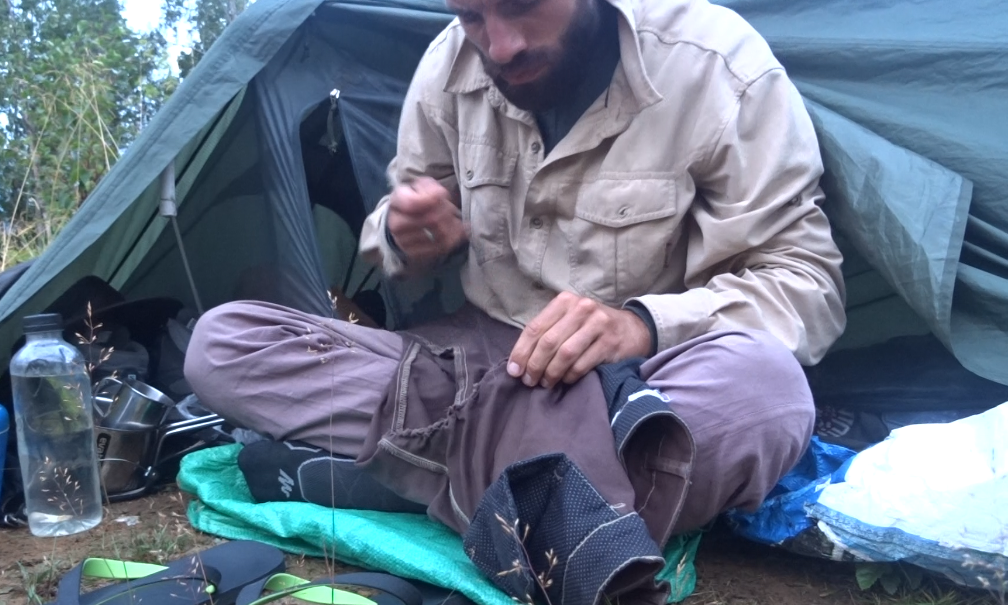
<point>44,322</point>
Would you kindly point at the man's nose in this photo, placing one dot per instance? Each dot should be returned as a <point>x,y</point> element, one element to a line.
<point>505,41</point>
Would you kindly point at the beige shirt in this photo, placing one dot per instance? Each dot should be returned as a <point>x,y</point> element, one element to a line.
<point>691,185</point>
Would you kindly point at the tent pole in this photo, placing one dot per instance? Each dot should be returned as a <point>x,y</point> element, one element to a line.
<point>170,210</point>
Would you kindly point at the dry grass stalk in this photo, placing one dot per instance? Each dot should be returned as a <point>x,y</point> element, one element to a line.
<point>520,532</point>
<point>104,353</point>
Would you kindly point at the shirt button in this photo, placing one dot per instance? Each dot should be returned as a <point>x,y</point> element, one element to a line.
<point>623,211</point>
<point>469,174</point>
<point>536,147</point>
<point>537,222</point>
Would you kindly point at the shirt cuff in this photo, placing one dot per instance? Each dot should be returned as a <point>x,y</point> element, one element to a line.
<point>642,312</point>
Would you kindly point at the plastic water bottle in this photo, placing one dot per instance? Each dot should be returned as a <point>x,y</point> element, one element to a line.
<point>55,431</point>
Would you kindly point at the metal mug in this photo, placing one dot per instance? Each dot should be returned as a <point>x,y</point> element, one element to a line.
<point>124,457</point>
<point>129,418</point>
<point>131,435</point>
<point>130,404</point>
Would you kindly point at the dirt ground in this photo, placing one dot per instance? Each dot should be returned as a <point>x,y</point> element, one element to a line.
<point>730,571</point>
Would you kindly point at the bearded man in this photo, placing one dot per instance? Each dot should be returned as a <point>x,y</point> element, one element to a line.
<point>634,185</point>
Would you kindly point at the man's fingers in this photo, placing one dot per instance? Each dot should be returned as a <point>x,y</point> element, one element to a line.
<point>591,321</point>
<point>414,243</point>
<point>458,230</point>
<point>557,347</point>
<point>534,330</point>
<point>571,337</point>
<point>414,207</point>
<point>453,231</point>
<point>426,186</point>
<point>571,354</point>
<point>526,343</point>
<point>420,198</point>
<point>424,222</point>
<point>595,355</point>
<point>445,234</point>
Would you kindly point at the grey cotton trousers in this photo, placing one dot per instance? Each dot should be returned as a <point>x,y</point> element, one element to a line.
<point>296,376</point>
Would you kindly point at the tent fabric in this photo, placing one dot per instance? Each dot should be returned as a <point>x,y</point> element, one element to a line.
<point>884,187</point>
<point>409,545</point>
<point>887,80</point>
<point>907,99</point>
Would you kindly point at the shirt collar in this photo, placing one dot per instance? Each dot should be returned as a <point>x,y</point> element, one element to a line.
<point>467,75</point>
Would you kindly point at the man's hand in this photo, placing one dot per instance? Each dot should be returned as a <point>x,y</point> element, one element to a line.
<point>423,221</point>
<point>573,335</point>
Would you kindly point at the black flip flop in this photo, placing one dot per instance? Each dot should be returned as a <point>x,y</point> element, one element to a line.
<point>215,575</point>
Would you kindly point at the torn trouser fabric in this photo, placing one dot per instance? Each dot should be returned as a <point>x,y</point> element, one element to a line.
<point>535,479</point>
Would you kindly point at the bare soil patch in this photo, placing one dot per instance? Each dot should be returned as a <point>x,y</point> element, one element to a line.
<point>154,529</point>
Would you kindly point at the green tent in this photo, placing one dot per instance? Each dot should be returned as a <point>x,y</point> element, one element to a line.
<point>279,140</point>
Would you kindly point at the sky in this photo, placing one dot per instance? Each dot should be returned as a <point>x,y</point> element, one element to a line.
<point>145,15</point>
<point>141,15</point>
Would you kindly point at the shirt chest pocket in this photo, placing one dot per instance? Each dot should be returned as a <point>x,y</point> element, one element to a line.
<point>485,175</point>
<point>621,235</point>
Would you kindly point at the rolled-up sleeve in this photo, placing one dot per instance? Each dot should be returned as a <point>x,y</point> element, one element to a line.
<point>760,250</point>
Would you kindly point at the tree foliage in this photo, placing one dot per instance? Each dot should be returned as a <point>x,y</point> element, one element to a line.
<point>76,86</point>
<point>203,20</point>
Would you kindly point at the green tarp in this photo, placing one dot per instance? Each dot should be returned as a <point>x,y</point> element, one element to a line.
<point>408,545</point>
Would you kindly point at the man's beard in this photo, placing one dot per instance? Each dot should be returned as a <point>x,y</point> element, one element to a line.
<point>566,61</point>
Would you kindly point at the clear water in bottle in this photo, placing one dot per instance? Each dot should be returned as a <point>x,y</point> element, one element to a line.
<point>55,432</point>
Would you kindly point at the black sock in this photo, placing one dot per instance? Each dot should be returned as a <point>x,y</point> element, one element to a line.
<point>291,471</point>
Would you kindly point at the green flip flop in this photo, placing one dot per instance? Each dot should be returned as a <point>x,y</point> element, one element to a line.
<point>390,590</point>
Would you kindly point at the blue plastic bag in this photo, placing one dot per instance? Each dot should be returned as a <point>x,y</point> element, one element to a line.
<point>4,429</point>
<point>784,514</point>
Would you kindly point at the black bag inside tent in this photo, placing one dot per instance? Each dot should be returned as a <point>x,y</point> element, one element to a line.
<point>281,136</point>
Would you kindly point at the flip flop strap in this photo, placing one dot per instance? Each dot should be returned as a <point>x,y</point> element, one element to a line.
<point>138,575</point>
<point>397,587</point>
<point>288,585</point>
<point>283,585</point>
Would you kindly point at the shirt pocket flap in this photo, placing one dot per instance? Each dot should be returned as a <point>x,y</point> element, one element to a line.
<point>625,201</point>
<point>485,165</point>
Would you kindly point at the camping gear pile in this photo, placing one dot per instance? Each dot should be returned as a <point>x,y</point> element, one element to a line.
<point>146,417</point>
<point>276,146</point>
<point>932,495</point>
